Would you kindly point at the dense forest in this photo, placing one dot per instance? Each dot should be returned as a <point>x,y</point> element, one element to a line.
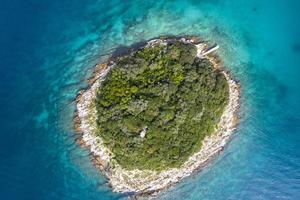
<point>157,104</point>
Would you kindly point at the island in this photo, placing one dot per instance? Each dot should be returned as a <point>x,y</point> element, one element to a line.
<point>154,115</point>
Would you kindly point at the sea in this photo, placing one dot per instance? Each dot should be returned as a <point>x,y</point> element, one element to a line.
<point>48,49</point>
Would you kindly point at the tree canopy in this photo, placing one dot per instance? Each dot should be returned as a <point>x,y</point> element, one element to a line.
<point>168,92</point>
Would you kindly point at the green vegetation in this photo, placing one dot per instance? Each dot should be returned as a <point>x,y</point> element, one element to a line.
<point>177,98</point>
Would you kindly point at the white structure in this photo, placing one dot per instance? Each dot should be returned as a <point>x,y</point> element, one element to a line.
<point>201,51</point>
<point>143,132</point>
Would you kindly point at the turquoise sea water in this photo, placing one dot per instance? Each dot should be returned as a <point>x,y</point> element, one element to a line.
<point>47,53</point>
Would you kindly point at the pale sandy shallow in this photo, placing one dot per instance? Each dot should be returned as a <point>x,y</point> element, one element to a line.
<point>147,181</point>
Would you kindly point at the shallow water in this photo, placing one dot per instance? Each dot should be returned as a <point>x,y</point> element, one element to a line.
<point>48,50</point>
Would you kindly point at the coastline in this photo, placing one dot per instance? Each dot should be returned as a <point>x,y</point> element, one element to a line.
<point>146,181</point>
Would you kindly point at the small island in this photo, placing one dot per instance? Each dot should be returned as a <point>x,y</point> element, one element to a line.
<point>156,114</point>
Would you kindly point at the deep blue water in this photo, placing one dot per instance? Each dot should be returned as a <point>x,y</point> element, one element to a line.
<point>47,52</point>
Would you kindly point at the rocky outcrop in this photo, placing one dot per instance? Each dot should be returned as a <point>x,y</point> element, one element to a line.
<point>147,181</point>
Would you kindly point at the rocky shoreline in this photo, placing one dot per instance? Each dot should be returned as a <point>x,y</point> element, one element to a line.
<point>147,181</point>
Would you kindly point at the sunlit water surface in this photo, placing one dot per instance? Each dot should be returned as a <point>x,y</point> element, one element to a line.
<point>47,53</point>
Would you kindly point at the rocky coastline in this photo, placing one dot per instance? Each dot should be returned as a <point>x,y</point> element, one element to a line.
<point>147,181</point>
